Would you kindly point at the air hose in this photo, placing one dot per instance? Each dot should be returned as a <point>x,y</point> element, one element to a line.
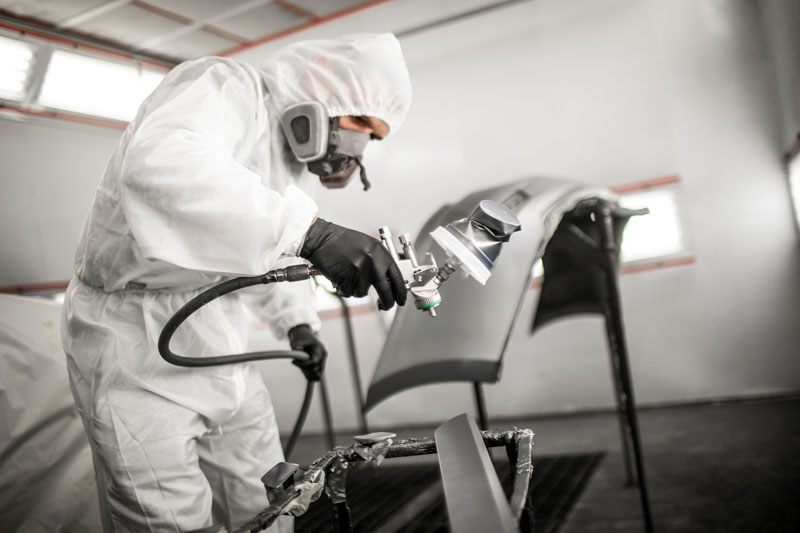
<point>291,273</point>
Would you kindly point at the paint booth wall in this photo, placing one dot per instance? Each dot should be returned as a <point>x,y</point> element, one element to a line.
<point>780,20</point>
<point>609,92</point>
<point>47,182</point>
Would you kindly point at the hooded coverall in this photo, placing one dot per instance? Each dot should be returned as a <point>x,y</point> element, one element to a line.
<point>202,187</point>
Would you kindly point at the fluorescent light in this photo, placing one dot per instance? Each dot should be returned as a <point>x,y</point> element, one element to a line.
<point>656,234</point>
<point>794,185</point>
<point>15,66</point>
<point>91,86</point>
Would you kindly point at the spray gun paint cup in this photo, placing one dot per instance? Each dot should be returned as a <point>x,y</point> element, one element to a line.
<point>473,243</point>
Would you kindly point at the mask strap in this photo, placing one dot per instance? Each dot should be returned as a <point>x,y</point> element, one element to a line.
<point>364,179</point>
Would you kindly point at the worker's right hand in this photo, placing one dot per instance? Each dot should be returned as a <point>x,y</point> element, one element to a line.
<point>354,261</point>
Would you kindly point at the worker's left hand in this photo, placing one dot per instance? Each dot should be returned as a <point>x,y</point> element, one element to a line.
<point>304,339</point>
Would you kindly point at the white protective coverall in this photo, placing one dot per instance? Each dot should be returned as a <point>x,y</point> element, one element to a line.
<point>202,187</point>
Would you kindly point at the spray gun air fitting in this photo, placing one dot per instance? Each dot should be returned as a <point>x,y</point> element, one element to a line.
<point>472,243</point>
<point>420,279</point>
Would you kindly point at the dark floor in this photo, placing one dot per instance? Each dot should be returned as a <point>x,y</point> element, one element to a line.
<point>732,467</point>
<point>409,497</point>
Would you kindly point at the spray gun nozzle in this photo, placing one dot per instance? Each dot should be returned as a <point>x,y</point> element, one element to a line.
<point>472,243</point>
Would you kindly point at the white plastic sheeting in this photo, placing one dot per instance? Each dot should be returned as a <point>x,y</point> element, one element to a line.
<point>46,476</point>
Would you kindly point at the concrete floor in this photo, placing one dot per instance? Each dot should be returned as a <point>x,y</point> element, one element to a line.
<point>732,467</point>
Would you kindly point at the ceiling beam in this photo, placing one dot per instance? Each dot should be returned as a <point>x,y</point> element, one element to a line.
<point>38,29</point>
<point>205,24</point>
<point>301,27</point>
<point>297,10</point>
<point>458,17</point>
<point>91,13</point>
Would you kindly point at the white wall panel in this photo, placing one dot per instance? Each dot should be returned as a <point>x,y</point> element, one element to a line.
<point>47,180</point>
<point>781,20</point>
<point>608,91</point>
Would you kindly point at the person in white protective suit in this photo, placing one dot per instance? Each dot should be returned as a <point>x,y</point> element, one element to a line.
<point>203,186</point>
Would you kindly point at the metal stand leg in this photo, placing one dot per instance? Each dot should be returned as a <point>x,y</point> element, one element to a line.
<point>480,404</point>
<point>622,413</point>
<point>336,488</point>
<point>526,520</point>
<point>342,519</point>
<point>326,413</point>
<point>619,355</point>
<point>351,347</point>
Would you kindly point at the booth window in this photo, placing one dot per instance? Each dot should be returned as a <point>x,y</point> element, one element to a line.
<point>16,59</point>
<point>654,240</point>
<point>83,84</point>
<point>42,78</point>
<point>660,233</point>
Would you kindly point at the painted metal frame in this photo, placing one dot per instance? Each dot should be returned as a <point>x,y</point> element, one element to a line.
<point>577,232</point>
<point>480,320</point>
<point>584,255</point>
<point>459,433</point>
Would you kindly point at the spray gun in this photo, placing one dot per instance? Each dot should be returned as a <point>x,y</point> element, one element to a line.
<point>472,243</point>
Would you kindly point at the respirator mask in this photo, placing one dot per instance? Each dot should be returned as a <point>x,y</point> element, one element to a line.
<point>330,152</point>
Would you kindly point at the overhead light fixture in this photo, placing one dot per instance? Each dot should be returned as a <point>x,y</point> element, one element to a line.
<point>91,86</point>
<point>16,58</point>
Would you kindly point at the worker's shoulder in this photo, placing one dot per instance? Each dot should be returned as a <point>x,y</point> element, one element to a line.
<point>225,66</point>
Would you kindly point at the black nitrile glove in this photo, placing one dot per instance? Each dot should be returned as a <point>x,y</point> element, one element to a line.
<point>354,261</point>
<point>303,338</point>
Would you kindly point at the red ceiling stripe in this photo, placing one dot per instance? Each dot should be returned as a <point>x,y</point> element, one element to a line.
<point>162,12</point>
<point>219,32</point>
<point>34,287</point>
<point>355,310</point>
<point>297,10</point>
<point>656,264</point>
<point>67,117</point>
<point>75,45</point>
<point>646,184</point>
<point>302,27</point>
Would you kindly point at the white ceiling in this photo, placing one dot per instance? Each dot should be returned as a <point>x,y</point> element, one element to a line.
<point>186,29</point>
<point>180,29</point>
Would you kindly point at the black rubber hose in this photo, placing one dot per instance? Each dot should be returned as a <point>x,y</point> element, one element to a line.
<point>292,273</point>
<point>301,420</point>
<point>208,296</point>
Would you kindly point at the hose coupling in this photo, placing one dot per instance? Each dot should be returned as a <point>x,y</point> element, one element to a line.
<point>290,273</point>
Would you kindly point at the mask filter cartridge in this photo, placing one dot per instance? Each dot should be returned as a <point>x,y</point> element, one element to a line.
<point>330,152</point>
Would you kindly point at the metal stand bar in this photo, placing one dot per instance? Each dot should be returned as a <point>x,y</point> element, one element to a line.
<point>336,488</point>
<point>480,405</point>
<point>619,355</point>
<point>336,464</point>
<point>326,412</point>
<point>342,519</point>
<point>526,514</point>
<point>622,414</point>
<point>354,368</point>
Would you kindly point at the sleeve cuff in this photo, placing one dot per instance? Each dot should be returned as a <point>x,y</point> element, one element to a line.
<point>306,210</point>
<point>293,250</point>
<point>292,317</point>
